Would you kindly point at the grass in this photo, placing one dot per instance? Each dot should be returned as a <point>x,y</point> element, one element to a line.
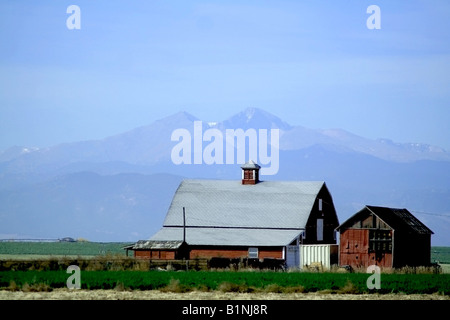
<point>275,282</point>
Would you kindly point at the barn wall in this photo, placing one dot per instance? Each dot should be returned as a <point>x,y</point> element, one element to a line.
<point>234,252</point>
<point>155,254</point>
<point>142,254</point>
<point>217,253</point>
<point>412,250</point>
<point>354,250</point>
<point>329,216</point>
<point>271,253</point>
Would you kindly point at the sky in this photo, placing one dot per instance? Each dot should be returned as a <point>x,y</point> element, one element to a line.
<point>311,63</point>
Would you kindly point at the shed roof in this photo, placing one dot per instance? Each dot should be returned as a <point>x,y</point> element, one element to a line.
<point>156,244</point>
<point>228,203</point>
<point>397,219</point>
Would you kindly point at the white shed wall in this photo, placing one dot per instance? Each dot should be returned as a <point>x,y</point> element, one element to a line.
<point>317,253</point>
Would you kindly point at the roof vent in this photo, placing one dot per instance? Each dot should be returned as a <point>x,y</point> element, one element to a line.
<point>250,173</point>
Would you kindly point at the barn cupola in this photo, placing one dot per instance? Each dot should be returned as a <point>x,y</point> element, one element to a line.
<point>250,173</point>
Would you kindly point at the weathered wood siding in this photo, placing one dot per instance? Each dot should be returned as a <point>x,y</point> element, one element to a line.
<point>355,250</point>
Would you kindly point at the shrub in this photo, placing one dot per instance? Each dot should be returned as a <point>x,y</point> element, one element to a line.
<point>13,286</point>
<point>36,287</point>
<point>175,286</point>
<point>274,288</point>
<point>295,289</point>
<point>233,287</point>
<point>349,288</point>
<point>121,287</point>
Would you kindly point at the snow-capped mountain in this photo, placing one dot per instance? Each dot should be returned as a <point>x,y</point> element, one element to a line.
<point>121,183</point>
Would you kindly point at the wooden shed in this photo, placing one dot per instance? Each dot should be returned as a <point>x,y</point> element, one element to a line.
<point>158,250</point>
<point>249,218</point>
<point>386,237</point>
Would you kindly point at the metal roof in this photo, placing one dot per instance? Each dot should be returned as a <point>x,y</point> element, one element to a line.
<point>228,203</point>
<point>228,236</point>
<point>156,244</point>
<point>400,219</point>
<point>397,219</point>
<point>250,165</point>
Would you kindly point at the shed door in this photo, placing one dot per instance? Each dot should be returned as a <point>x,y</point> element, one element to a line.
<point>293,256</point>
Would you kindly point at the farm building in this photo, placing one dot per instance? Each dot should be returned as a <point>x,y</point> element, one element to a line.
<point>247,218</point>
<point>386,237</point>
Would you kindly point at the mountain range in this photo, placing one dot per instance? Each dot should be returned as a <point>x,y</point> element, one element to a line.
<point>119,188</point>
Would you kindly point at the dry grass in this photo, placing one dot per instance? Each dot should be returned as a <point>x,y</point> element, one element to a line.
<point>176,287</point>
<point>233,287</point>
<point>435,269</point>
<point>13,286</point>
<point>66,294</point>
<point>349,288</point>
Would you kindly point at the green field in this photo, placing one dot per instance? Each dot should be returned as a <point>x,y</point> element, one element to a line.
<point>36,250</point>
<point>440,254</point>
<point>231,281</point>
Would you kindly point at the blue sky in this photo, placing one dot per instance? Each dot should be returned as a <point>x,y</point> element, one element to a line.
<point>312,63</point>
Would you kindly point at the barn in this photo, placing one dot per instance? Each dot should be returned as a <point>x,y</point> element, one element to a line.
<point>247,218</point>
<point>386,237</point>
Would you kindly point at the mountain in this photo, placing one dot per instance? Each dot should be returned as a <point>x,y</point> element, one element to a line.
<point>119,188</point>
<point>152,145</point>
<point>255,118</point>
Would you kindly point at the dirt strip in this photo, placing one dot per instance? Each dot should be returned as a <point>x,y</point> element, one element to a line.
<point>66,294</point>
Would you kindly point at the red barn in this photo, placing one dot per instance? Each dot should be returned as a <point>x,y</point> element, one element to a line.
<point>245,218</point>
<point>386,237</point>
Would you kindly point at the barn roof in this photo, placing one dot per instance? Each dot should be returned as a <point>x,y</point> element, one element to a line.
<point>228,203</point>
<point>225,212</point>
<point>397,219</point>
<point>229,236</point>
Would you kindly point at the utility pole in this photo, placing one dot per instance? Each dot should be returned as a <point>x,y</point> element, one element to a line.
<point>184,225</point>
<point>184,236</point>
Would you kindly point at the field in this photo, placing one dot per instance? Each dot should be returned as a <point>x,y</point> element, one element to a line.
<point>39,250</point>
<point>440,255</point>
<point>48,277</point>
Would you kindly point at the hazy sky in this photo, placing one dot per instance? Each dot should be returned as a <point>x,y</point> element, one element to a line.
<point>312,63</point>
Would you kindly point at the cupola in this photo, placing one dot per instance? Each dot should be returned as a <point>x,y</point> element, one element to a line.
<point>250,173</point>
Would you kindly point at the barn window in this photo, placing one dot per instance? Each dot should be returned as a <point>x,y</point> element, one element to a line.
<point>253,253</point>
<point>320,204</point>
<point>319,229</point>
<point>380,241</point>
<point>248,175</point>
